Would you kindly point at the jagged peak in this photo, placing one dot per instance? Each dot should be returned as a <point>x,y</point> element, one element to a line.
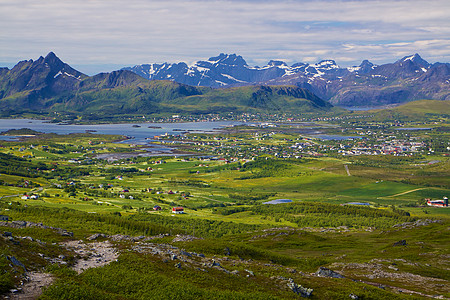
<point>299,64</point>
<point>329,63</point>
<point>411,57</point>
<point>50,55</point>
<point>52,59</point>
<point>228,59</point>
<point>365,63</point>
<point>276,63</point>
<point>416,59</point>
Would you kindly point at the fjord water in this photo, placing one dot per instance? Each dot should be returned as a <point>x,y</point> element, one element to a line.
<point>138,133</point>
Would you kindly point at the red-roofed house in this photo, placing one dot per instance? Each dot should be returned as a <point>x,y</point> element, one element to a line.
<point>178,210</point>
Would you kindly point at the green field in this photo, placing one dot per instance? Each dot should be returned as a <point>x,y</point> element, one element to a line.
<point>249,250</point>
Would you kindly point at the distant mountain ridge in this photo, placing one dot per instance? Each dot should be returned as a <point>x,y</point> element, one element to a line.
<point>50,85</point>
<point>410,78</point>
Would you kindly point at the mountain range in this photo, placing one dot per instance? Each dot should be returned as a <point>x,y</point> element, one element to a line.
<point>224,83</point>
<point>410,78</point>
<point>49,85</point>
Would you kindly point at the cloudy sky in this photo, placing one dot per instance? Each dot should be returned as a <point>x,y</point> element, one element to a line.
<point>104,35</point>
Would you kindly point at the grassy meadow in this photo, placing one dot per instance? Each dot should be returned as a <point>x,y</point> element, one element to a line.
<point>250,249</point>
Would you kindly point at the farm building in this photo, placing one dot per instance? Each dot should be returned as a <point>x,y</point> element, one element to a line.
<point>156,207</point>
<point>178,210</point>
<point>440,203</point>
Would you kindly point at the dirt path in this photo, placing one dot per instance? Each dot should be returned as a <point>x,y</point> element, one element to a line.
<point>348,171</point>
<point>32,289</point>
<point>407,192</point>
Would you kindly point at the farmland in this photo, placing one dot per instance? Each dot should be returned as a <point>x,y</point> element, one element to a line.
<point>394,246</point>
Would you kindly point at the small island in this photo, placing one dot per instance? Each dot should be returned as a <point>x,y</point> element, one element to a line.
<point>21,132</point>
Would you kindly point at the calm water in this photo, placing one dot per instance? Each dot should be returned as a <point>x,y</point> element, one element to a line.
<point>139,134</point>
<point>414,128</point>
<point>278,201</point>
<point>364,108</point>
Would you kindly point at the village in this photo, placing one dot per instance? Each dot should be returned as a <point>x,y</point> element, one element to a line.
<point>271,139</point>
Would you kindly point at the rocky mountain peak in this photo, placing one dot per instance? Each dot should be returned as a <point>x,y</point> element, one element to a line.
<point>228,59</point>
<point>276,63</point>
<point>326,64</point>
<point>416,59</point>
<point>325,78</point>
<point>366,66</point>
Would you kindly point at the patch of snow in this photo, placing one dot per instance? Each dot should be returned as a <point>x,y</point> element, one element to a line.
<point>220,82</point>
<point>70,75</point>
<point>288,72</point>
<point>353,69</point>
<point>190,72</point>
<point>319,73</point>
<point>57,74</point>
<point>152,70</point>
<point>423,69</point>
<point>232,78</point>
<point>201,69</point>
<point>328,64</point>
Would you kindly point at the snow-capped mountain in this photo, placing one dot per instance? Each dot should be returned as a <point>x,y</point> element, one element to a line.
<point>47,74</point>
<point>366,84</point>
<point>232,69</point>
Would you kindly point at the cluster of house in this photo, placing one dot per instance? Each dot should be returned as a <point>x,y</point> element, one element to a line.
<point>380,147</point>
<point>175,210</point>
<point>438,203</point>
<point>26,197</point>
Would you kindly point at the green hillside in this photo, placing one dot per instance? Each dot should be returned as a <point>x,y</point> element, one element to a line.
<point>416,109</point>
<point>147,97</point>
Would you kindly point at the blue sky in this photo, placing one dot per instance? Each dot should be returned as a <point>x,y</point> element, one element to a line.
<point>95,36</point>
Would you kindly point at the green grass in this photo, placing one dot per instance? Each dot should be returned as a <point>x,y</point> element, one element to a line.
<point>224,206</point>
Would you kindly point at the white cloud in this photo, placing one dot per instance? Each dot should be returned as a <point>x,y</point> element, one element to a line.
<point>141,31</point>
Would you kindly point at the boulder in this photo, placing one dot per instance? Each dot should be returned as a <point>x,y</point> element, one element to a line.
<point>400,243</point>
<point>298,289</point>
<point>325,272</point>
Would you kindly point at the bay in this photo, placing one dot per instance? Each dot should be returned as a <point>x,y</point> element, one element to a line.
<point>140,133</point>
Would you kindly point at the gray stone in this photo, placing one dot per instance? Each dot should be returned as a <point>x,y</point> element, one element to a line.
<point>96,236</point>
<point>185,253</point>
<point>298,289</point>
<point>325,272</point>
<point>16,262</point>
<point>400,243</point>
<point>215,264</point>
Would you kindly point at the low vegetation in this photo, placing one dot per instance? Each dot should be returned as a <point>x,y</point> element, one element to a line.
<point>354,212</point>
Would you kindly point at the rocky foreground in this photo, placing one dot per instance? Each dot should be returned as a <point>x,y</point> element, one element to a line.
<point>100,249</point>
